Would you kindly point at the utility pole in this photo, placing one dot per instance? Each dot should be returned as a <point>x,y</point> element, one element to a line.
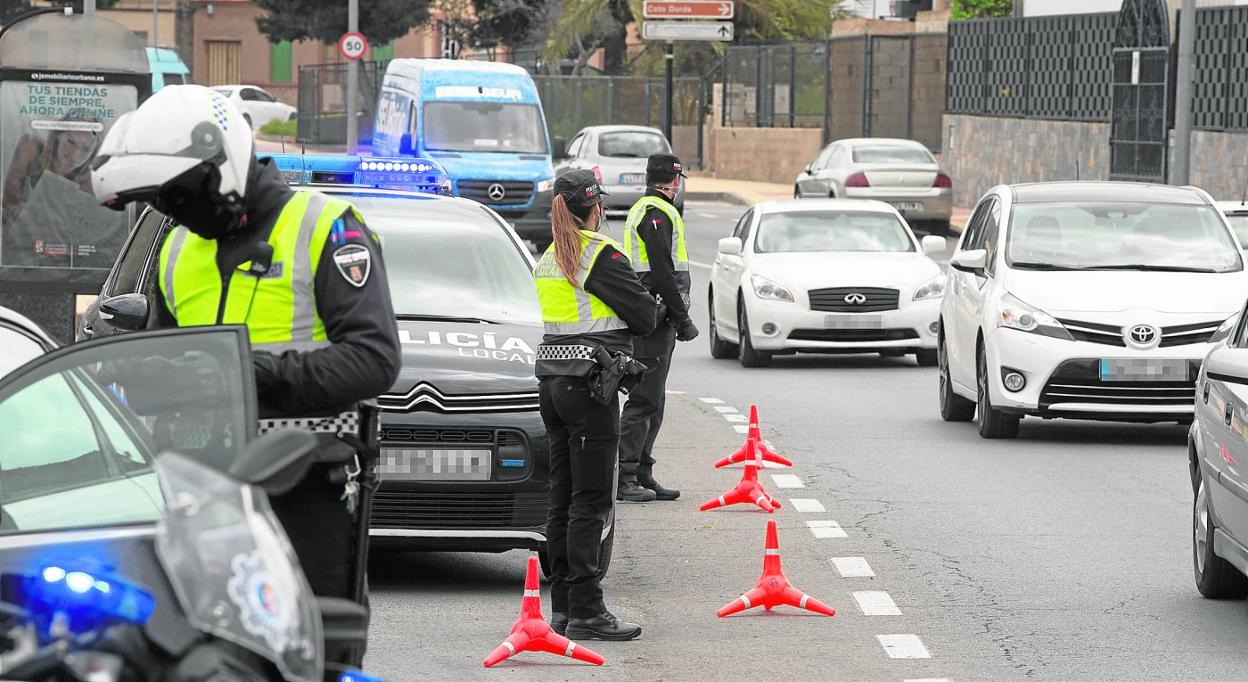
<point>88,6</point>
<point>669,59</point>
<point>1180,164</point>
<point>353,80</point>
<point>155,24</point>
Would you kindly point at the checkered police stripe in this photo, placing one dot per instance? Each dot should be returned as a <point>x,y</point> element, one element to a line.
<point>565,352</point>
<point>345,422</point>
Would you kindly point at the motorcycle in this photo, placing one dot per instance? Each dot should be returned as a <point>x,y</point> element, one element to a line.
<point>139,544</point>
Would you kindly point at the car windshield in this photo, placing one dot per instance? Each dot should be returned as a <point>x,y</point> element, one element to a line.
<point>891,154</point>
<point>636,144</point>
<point>1120,235</point>
<point>1239,223</point>
<point>484,127</point>
<point>16,349</point>
<point>451,263</point>
<point>806,231</point>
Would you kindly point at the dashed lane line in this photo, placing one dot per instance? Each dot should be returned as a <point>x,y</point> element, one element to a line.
<point>876,603</point>
<point>712,401</point>
<point>806,505</point>
<point>741,428</point>
<point>903,646</point>
<point>929,679</point>
<point>734,418</point>
<point>787,481</point>
<point>826,528</point>
<point>725,409</point>
<point>853,567</point>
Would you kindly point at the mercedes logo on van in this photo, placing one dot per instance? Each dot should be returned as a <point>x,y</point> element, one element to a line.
<point>1141,336</point>
<point>855,299</point>
<point>496,192</point>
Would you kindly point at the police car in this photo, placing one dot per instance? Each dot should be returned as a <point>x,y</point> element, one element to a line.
<point>464,450</point>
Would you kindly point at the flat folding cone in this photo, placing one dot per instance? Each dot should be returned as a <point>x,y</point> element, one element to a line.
<point>773,589</point>
<point>754,449</point>
<point>748,491</point>
<point>531,632</point>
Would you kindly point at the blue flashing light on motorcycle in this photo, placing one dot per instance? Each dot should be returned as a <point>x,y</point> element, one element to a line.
<point>406,173</point>
<point>357,676</point>
<point>71,600</point>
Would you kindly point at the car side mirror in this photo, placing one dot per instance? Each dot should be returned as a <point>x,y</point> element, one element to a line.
<point>933,244</point>
<point>730,246</point>
<point>810,168</point>
<point>127,311</point>
<point>973,261</point>
<point>558,148</point>
<point>406,148</point>
<point>276,461</point>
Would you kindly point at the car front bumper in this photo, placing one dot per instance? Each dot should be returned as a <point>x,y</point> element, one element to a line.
<point>797,328</point>
<point>933,204</point>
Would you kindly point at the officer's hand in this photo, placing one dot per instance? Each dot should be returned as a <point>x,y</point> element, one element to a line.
<point>687,331</point>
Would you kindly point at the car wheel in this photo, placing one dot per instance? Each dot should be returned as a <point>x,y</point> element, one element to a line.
<point>746,353</point>
<point>926,358</point>
<point>720,349</point>
<point>1216,578</point>
<point>953,407</point>
<point>797,194</point>
<point>992,422</point>
<point>294,116</point>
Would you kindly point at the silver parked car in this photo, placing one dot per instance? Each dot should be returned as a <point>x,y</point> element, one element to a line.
<point>1236,213</point>
<point>617,154</point>
<point>899,172</point>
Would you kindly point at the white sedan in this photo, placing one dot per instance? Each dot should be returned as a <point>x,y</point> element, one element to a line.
<point>824,276</point>
<point>258,106</point>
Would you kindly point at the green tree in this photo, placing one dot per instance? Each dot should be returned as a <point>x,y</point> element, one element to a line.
<point>381,21</point>
<point>980,9</point>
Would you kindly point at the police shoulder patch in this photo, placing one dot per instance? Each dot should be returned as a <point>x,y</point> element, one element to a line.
<point>354,262</point>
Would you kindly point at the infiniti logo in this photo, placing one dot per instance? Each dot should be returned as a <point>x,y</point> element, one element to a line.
<point>496,192</point>
<point>1142,335</point>
<point>855,299</point>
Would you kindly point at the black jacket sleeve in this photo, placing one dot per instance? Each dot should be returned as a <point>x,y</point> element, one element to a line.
<point>656,231</point>
<point>364,358</point>
<point>612,279</point>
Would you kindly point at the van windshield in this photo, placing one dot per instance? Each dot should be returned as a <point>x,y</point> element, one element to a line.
<point>484,127</point>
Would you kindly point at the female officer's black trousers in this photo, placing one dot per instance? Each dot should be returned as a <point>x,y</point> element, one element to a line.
<point>584,439</point>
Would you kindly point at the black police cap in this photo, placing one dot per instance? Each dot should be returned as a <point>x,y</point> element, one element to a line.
<point>665,164</point>
<point>580,189</point>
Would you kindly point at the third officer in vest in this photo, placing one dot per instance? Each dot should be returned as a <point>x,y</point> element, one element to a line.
<point>654,238</point>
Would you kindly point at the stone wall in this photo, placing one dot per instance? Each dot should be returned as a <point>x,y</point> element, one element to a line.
<point>1220,163</point>
<point>761,154</point>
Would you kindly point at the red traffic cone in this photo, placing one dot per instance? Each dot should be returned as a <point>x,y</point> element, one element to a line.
<point>754,449</point>
<point>749,490</point>
<point>773,589</point>
<point>531,632</point>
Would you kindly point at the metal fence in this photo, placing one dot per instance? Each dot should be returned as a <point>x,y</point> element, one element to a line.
<point>323,102</point>
<point>1221,85</point>
<point>573,102</point>
<point>882,86</point>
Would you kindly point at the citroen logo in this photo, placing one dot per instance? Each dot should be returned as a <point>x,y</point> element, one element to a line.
<point>496,192</point>
<point>1142,336</point>
<point>855,299</point>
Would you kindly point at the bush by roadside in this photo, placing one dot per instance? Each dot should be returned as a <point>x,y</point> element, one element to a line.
<point>279,128</point>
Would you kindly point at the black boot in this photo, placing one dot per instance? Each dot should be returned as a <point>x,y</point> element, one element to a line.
<point>629,491</point>
<point>602,626</point>
<point>559,623</point>
<point>660,493</point>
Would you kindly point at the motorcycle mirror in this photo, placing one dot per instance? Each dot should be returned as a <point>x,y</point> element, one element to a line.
<point>276,461</point>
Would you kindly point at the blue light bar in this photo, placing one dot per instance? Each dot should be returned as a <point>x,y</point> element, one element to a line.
<point>80,597</point>
<point>399,173</point>
<point>358,676</point>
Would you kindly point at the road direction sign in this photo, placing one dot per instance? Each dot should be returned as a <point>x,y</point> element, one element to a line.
<point>688,30</point>
<point>688,9</point>
<point>352,46</point>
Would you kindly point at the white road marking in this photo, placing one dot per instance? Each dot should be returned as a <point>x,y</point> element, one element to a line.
<point>741,428</point>
<point>853,567</point>
<point>903,646</point>
<point>787,481</point>
<point>734,417</point>
<point>709,216</point>
<point>711,401</point>
<point>929,679</point>
<point>826,528</point>
<point>876,603</point>
<point>723,409</point>
<point>696,264</point>
<point>807,505</point>
<point>675,392</point>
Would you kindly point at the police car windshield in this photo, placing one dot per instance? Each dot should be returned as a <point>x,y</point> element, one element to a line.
<point>450,262</point>
<point>484,127</point>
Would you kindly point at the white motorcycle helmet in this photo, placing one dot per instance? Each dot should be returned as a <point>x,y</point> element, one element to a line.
<point>187,151</point>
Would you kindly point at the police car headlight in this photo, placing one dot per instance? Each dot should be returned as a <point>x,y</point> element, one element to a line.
<point>932,288</point>
<point>767,289</point>
<point>1225,329</point>
<point>546,185</point>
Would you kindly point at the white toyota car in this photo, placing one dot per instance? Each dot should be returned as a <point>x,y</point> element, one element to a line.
<point>1085,300</point>
<point>824,276</point>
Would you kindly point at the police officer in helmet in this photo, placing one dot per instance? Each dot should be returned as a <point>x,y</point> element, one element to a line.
<point>654,238</point>
<point>592,305</point>
<point>299,269</point>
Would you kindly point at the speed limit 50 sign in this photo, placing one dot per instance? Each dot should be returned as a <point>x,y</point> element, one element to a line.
<point>352,46</point>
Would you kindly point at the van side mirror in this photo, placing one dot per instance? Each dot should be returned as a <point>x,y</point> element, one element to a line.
<point>406,148</point>
<point>276,461</point>
<point>973,261</point>
<point>558,148</point>
<point>127,311</point>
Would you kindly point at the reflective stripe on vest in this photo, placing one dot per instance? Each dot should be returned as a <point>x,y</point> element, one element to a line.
<point>568,308</point>
<point>279,308</point>
<point>636,248</point>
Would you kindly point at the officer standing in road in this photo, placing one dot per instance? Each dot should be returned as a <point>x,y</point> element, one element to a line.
<point>654,238</point>
<point>300,269</point>
<point>592,305</point>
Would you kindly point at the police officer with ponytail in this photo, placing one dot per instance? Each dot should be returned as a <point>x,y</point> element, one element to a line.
<point>592,306</point>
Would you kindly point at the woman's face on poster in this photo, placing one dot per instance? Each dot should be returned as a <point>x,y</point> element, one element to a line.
<point>73,149</point>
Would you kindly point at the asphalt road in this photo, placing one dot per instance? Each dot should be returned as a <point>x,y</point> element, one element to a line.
<point>1063,555</point>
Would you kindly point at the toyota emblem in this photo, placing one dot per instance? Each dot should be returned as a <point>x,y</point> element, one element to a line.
<point>855,299</point>
<point>496,192</point>
<point>1142,336</point>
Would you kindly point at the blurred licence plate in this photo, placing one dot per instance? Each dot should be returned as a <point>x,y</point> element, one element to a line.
<point>632,178</point>
<point>427,464</point>
<point>904,206</point>
<point>854,321</point>
<point>1143,369</point>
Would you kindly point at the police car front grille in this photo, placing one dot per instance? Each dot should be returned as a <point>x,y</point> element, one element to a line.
<point>833,300</point>
<point>432,510</point>
<point>416,434</point>
<point>514,192</point>
<point>426,398</point>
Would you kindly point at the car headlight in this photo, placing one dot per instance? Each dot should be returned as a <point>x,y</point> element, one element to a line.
<point>1225,329</point>
<point>546,185</point>
<point>932,288</point>
<point>1014,314</point>
<point>767,289</point>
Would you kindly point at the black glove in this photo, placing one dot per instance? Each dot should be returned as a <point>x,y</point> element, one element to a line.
<point>687,330</point>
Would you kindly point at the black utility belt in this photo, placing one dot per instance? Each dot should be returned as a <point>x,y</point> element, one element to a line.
<point>609,374</point>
